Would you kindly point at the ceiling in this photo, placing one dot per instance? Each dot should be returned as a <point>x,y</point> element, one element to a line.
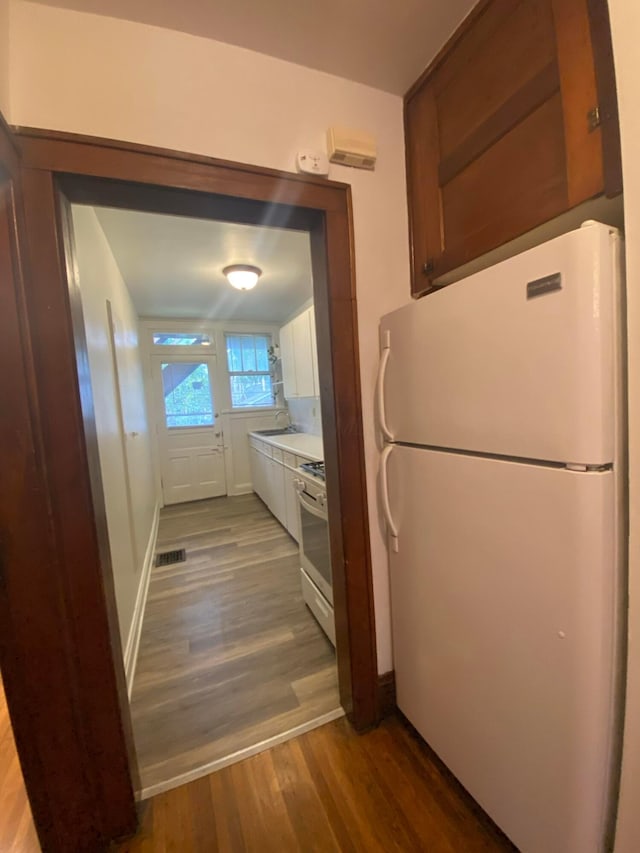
<point>172,266</point>
<point>383,43</point>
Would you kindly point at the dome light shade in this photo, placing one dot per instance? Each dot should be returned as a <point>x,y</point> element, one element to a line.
<point>242,276</point>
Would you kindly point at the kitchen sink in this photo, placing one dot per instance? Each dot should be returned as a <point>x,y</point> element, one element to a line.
<point>276,431</point>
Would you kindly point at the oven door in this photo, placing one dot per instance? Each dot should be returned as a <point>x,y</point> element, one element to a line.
<point>315,555</point>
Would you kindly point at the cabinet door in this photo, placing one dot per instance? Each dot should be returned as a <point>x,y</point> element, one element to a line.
<point>256,474</point>
<point>314,352</point>
<point>302,355</point>
<point>288,362</point>
<point>278,500</point>
<point>291,503</point>
<point>499,138</point>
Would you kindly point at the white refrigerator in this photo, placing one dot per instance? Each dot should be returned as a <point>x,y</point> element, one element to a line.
<point>502,480</point>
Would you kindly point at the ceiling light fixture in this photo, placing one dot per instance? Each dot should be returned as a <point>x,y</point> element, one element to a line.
<point>242,276</point>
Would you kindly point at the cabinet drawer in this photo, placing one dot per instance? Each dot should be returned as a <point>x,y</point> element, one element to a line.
<point>277,454</point>
<point>289,459</point>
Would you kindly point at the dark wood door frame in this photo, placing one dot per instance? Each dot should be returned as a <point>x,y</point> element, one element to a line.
<point>60,168</point>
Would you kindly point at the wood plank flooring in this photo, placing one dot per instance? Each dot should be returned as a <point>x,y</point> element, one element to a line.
<point>17,832</point>
<point>229,654</point>
<point>328,790</point>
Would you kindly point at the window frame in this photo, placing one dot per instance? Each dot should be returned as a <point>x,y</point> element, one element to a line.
<point>232,373</point>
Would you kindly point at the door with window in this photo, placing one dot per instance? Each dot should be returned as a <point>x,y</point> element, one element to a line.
<point>190,439</point>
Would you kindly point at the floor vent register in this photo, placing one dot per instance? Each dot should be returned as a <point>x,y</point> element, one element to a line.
<point>170,557</point>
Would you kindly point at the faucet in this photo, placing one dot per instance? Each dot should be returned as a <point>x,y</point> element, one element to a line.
<point>286,413</point>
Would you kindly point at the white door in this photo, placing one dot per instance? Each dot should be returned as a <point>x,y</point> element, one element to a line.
<point>190,439</point>
<point>503,610</point>
<point>518,360</point>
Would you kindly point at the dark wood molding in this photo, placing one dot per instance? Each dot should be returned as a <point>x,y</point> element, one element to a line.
<point>59,168</point>
<point>386,694</point>
<point>38,650</point>
<point>607,95</point>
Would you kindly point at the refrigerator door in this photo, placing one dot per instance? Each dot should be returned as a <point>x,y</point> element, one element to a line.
<point>517,360</point>
<point>504,626</point>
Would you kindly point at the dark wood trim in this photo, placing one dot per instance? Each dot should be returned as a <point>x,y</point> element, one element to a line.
<point>386,694</point>
<point>538,90</point>
<point>58,168</point>
<point>607,95</point>
<point>38,652</point>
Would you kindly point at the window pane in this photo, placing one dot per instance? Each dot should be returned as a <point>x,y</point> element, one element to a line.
<point>248,353</point>
<point>252,390</point>
<point>262,352</point>
<point>234,353</point>
<point>180,339</point>
<point>187,394</point>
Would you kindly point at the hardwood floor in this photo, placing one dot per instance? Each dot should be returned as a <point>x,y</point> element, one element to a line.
<point>229,654</point>
<point>17,832</point>
<point>328,790</point>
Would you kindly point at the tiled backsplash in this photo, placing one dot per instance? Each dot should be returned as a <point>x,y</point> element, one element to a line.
<point>305,414</point>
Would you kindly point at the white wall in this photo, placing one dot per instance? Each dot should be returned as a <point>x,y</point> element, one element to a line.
<point>4,59</point>
<point>625,25</point>
<point>78,72</point>
<point>100,280</point>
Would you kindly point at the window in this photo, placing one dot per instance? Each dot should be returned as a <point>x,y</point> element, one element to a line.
<point>187,394</point>
<point>181,339</point>
<point>248,365</point>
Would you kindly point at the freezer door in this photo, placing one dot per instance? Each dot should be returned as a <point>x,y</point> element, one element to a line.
<point>518,360</point>
<point>504,624</point>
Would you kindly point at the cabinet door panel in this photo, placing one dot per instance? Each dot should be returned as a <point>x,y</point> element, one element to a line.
<point>515,44</point>
<point>291,502</point>
<point>527,180</point>
<point>314,353</point>
<point>288,362</point>
<point>302,355</point>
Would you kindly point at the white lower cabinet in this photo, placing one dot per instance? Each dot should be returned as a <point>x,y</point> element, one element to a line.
<point>277,503</point>
<point>291,501</point>
<point>273,478</point>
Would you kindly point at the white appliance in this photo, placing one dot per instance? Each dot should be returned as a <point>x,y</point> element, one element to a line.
<point>315,553</point>
<point>500,400</point>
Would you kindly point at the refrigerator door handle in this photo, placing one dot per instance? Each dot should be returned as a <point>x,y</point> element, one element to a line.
<point>384,488</point>
<point>382,370</point>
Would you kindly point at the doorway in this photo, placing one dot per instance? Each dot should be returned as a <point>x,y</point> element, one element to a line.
<point>190,442</point>
<point>56,167</point>
<point>226,625</point>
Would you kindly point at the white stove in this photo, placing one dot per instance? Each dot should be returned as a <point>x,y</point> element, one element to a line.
<point>315,552</point>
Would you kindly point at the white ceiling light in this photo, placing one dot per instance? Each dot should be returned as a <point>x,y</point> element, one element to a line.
<point>242,276</point>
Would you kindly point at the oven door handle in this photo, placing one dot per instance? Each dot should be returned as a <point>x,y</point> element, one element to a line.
<point>322,514</point>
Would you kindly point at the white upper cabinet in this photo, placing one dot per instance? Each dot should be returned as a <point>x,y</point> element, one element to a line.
<point>299,359</point>
<point>288,363</point>
<point>314,352</point>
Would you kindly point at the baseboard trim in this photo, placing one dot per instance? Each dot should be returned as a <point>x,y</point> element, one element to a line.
<point>386,694</point>
<point>240,755</point>
<point>133,641</point>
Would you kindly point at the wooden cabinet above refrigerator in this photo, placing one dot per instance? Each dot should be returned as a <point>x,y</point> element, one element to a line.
<point>513,124</point>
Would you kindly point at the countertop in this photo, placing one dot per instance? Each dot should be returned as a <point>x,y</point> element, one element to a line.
<point>301,443</point>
